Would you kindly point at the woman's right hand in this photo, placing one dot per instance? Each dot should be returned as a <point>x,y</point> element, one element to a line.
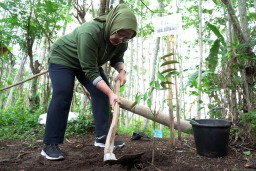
<point>113,99</point>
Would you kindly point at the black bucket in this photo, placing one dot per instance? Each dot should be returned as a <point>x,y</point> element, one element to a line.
<point>211,137</point>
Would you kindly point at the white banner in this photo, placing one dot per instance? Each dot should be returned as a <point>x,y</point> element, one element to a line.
<point>167,25</point>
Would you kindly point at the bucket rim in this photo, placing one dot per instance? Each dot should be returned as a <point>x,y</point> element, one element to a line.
<point>227,124</point>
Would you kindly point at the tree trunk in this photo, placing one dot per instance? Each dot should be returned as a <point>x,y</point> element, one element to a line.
<point>201,59</point>
<point>153,73</point>
<point>34,65</point>
<point>16,79</point>
<point>80,11</point>
<point>245,30</point>
<point>177,94</point>
<point>154,65</point>
<point>34,98</point>
<point>130,83</point>
<point>242,40</point>
<point>170,96</point>
<point>243,18</point>
<point>236,25</point>
<point>103,7</point>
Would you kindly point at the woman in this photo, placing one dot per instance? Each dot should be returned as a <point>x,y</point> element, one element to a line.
<point>81,54</point>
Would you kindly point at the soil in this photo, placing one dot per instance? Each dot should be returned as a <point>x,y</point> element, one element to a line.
<point>80,154</point>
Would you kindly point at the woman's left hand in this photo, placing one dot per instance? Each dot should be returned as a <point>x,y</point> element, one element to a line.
<point>122,77</point>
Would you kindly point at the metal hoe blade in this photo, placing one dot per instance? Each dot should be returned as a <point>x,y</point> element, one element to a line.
<point>125,159</point>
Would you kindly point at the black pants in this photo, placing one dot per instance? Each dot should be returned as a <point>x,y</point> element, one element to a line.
<point>63,78</point>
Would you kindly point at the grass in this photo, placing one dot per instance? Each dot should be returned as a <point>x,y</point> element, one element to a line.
<point>19,123</point>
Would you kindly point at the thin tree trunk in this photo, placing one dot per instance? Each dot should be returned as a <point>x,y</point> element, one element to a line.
<point>236,25</point>
<point>200,59</point>
<point>226,72</point>
<point>66,22</point>
<point>130,85</point>
<point>153,73</point>
<point>46,81</point>
<point>16,79</point>
<point>103,7</point>
<point>233,74</point>
<point>255,5</point>
<point>245,30</point>
<point>170,97</point>
<point>177,94</point>
<point>93,11</point>
<point>243,18</point>
<point>155,64</point>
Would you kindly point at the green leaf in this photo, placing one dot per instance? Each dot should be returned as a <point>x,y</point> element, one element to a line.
<point>145,97</point>
<point>168,70</point>
<point>133,105</point>
<point>216,2</point>
<point>247,153</point>
<point>163,85</point>
<point>194,93</point>
<point>160,76</point>
<point>149,102</point>
<point>169,62</point>
<point>212,58</point>
<point>216,31</point>
<point>151,86</point>
<point>207,11</point>
<point>194,83</point>
<point>169,54</point>
<point>157,85</point>
<point>172,73</point>
<point>138,98</point>
<point>248,44</point>
<point>166,83</point>
<point>122,88</point>
<point>193,77</point>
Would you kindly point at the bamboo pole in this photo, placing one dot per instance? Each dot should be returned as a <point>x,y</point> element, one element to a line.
<point>161,118</point>
<point>21,82</point>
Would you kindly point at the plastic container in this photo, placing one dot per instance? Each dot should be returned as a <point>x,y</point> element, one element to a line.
<point>211,137</point>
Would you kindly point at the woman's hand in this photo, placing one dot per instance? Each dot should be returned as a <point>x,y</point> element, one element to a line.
<point>113,99</point>
<point>122,77</point>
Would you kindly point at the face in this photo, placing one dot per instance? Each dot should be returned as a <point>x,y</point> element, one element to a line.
<point>121,36</point>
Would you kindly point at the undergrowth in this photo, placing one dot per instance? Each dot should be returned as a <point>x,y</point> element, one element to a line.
<point>18,122</point>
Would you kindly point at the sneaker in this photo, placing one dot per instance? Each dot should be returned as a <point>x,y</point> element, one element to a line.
<point>52,152</point>
<point>100,142</point>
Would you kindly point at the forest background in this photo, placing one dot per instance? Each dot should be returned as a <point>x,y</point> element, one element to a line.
<point>214,76</point>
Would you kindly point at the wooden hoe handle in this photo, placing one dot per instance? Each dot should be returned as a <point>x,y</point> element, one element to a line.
<point>109,145</point>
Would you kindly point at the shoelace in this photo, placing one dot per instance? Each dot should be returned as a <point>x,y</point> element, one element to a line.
<point>55,147</point>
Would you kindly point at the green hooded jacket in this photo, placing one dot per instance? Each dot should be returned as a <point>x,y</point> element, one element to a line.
<point>88,47</point>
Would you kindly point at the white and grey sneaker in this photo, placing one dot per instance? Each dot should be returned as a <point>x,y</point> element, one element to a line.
<point>100,142</point>
<point>52,152</point>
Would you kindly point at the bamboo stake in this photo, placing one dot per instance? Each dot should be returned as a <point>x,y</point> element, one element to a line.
<point>30,78</point>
